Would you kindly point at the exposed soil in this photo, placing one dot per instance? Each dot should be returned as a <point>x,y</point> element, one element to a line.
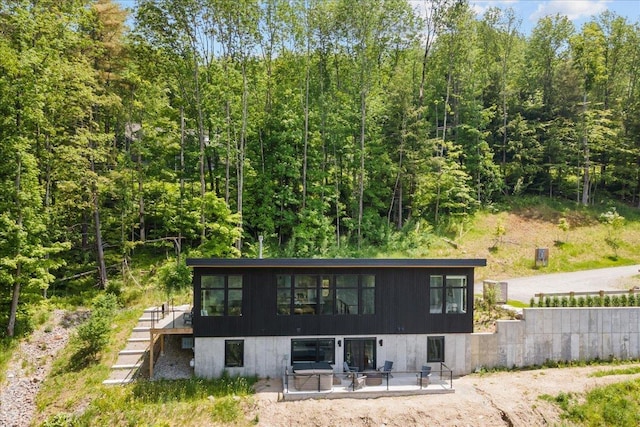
<point>496,399</point>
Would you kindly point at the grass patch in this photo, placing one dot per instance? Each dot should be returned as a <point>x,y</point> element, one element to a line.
<point>7,347</point>
<point>164,391</point>
<point>517,304</point>
<point>621,371</point>
<point>161,403</point>
<point>612,405</point>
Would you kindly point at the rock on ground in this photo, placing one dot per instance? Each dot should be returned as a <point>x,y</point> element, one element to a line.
<point>30,366</point>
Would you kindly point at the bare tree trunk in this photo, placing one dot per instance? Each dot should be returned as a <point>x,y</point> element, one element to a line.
<point>13,310</point>
<point>363,123</point>
<point>182,140</point>
<point>243,136</point>
<point>102,269</point>
<point>306,133</point>
<point>586,184</point>
<point>141,200</point>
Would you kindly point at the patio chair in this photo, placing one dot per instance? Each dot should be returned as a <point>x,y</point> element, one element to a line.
<point>388,366</point>
<point>347,368</point>
<point>424,377</point>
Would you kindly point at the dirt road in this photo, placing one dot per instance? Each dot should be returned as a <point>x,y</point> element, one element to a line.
<point>606,279</point>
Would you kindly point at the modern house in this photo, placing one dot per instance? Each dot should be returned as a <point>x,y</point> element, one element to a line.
<point>259,316</point>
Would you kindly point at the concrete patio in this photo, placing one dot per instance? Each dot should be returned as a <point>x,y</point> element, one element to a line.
<point>397,384</point>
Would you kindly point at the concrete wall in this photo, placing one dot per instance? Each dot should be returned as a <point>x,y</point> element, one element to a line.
<point>557,334</point>
<point>268,356</point>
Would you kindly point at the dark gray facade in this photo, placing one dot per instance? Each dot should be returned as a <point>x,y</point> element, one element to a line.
<point>329,297</point>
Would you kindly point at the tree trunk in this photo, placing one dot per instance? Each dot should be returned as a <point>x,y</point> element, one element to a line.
<point>141,200</point>
<point>243,136</point>
<point>13,310</point>
<point>102,269</point>
<point>585,179</point>
<point>363,123</point>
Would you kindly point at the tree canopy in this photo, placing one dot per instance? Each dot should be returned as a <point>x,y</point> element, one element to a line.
<point>324,126</point>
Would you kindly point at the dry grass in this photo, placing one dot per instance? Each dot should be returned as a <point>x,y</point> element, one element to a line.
<point>512,254</point>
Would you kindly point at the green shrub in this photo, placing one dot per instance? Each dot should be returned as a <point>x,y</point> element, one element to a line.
<point>547,302</point>
<point>589,301</point>
<point>607,301</point>
<point>555,302</point>
<point>631,301</point>
<point>93,335</point>
<point>61,420</point>
<point>564,302</point>
<point>582,302</point>
<point>623,300</point>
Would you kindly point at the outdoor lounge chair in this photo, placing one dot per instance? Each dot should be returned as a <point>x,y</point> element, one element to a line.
<point>388,366</point>
<point>424,377</point>
<point>347,368</point>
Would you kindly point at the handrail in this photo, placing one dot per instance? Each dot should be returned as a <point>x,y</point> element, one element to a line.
<point>443,365</point>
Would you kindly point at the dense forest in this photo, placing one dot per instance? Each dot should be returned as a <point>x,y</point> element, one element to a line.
<point>318,128</point>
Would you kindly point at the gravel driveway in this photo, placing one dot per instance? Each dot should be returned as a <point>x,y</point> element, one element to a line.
<point>606,279</point>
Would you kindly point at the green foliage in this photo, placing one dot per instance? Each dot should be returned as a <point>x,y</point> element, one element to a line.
<point>163,391</point>
<point>61,420</point>
<point>174,277</point>
<point>615,404</point>
<point>614,222</point>
<point>93,335</point>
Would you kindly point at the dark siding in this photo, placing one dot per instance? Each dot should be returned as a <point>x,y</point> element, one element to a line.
<point>402,305</point>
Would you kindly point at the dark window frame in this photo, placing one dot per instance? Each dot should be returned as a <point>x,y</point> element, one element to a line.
<point>357,361</point>
<point>317,350</point>
<point>323,299</point>
<point>435,349</point>
<point>227,287</point>
<point>451,299</point>
<point>233,358</point>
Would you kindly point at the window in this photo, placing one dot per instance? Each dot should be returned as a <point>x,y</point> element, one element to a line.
<point>313,350</point>
<point>456,294</point>
<point>360,353</point>
<point>347,294</point>
<point>284,294</point>
<point>233,353</point>
<point>305,292</point>
<point>221,295</point>
<point>368,294</point>
<point>435,349</point>
<point>308,294</point>
<point>435,294</point>
<point>448,293</point>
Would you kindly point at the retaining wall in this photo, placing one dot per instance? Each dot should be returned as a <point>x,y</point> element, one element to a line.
<point>558,334</point>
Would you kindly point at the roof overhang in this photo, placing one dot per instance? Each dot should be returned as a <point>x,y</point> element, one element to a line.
<point>334,262</point>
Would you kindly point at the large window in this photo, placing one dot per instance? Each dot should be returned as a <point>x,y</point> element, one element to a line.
<point>456,294</point>
<point>221,295</point>
<point>447,294</point>
<point>309,294</point>
<point>313,350</point>
<point>435,349</point>
<point>360,353</point>
<point>233,353</point>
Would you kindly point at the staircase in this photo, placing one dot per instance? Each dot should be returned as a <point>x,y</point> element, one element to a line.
<point>130,361</point>
<point>132,357</point>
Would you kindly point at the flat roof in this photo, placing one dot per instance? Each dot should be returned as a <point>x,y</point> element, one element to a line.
<point>335,262</point>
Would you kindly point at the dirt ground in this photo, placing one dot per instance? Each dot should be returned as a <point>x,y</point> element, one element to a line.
<point>495,399</point>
